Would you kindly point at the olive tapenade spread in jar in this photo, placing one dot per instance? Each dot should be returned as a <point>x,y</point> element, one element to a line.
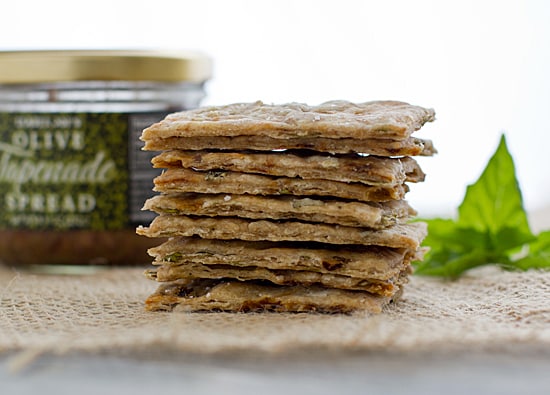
<point>73,177</point>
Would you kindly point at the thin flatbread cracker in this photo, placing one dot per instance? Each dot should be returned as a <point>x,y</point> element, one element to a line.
<point>193,270</point>
<point>187,180</point>
<point>255,296</point>
<point>381,147</point>
<point>399,236</point>
<point>375,262</point>
<point>371,215</point>
<point>334,119</point>
<point>370,170</point>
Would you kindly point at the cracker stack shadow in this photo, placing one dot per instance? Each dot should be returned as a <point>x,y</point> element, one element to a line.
<point>285,207</point>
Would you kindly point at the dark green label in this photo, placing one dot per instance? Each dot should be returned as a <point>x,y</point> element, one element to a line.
<point>69,170</point>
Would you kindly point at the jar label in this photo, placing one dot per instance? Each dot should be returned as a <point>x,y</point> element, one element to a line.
<point>74,170</point>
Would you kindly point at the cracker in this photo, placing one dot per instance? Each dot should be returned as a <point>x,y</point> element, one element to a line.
<point>186,180</point>
<point>374,262</point>
<point>383,147</point>
<point>398,236</point>
<point>334,119</point>
<point>370,170</point>
<point>372,215</point>
<point>252,296</point>
<point>279,277</point>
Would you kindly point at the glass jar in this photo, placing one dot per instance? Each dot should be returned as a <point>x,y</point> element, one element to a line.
<point>73,177</point>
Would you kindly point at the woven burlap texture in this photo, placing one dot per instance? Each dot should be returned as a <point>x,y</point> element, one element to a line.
<point>104,312</point>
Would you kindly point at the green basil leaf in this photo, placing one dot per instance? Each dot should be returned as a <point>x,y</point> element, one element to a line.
<point>446,232</point>
<point>538,256</point>
<point>493,204</point>
<point>492,227</point>
<point>452,264</point>
<point>454,250</point>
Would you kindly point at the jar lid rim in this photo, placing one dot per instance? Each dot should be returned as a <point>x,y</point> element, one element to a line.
<point>20,67</point>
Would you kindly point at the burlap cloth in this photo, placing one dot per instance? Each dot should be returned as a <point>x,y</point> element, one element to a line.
<point>103,311</point>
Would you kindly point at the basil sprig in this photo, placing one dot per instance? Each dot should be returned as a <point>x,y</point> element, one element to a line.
<point>491,228</point>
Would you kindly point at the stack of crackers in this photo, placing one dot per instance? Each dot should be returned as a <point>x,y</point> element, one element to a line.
<point>285,207</point>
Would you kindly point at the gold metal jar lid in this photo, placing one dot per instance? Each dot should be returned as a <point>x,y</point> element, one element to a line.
<point>21,67</point>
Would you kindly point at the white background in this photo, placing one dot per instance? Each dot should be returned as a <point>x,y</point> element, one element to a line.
<point>482,65</point>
